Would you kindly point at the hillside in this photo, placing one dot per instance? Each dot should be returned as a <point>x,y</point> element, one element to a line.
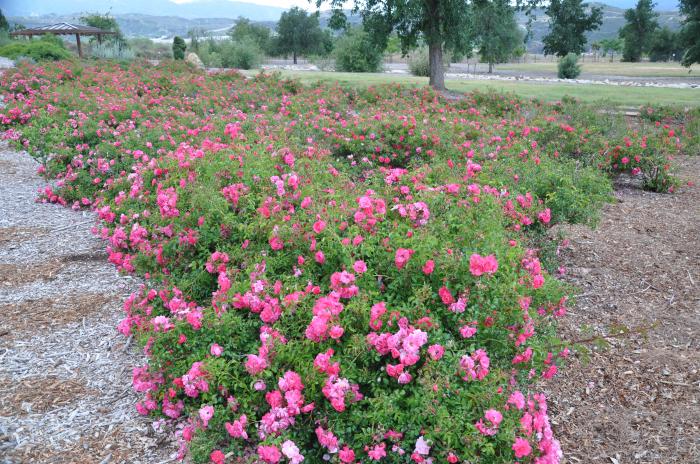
<point>613,20</point>
<point>215,15</point>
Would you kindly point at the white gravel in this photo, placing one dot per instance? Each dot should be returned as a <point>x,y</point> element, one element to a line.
<point>6,63</point>
<point>98,422</point>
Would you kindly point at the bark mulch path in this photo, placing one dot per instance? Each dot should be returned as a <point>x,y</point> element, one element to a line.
<point>634,399</point>
<point>65,372</point>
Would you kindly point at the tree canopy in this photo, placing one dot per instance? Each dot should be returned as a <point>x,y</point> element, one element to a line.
<point>244,29</point>
<point>611,46</point>
<point>4,25</point>
<point>298,33</point>
<point>690,34</point>
<point>639,30</point>
<point>441,24</point>
<point>568,25</point>
<point>496,32</point>
<point>105,22</point>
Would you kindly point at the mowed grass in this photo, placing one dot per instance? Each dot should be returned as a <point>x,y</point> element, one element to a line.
<point>613,95</point>
<point>606,68</point>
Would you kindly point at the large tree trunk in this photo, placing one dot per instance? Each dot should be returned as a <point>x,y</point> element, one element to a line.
<point>490,68</point>
<point>437,71</point>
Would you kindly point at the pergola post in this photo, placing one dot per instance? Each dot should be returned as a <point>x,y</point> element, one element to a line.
<point>80,49</point>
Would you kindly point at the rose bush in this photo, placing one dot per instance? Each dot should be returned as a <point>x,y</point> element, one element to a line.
<point>330,274</point>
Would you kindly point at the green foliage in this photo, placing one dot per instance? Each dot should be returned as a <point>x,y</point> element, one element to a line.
<point>639,30</point>
<point>568,67</point>
<point>439,24</point>
<point>4,25</point>
<point>38,50</point>
<point>497,33</point>
<point>246,31</point>
<point>418,63</point>
<point>665,45</point>
<point>355,52</point>
<point>568,25</point>
<point>298,33</point>
<point>493,171</point>
<point>690,34</point>
<point>105,22</point>
<point>112,51</point>
<point>612,46</point>
<point>146,48</point>
<point>179,47</point>
<point>4,38</point>
<point>241,54</point>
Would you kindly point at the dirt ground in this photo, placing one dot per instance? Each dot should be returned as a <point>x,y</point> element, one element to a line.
<point>634,398</point>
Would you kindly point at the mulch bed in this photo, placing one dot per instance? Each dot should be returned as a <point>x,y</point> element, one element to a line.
<point>631,396</point>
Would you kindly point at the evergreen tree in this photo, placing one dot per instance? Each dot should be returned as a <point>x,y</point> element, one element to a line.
<point>298,33</point>
<point>639,30</point>
<point>179,47</point>
<point>568,24</point>
<point>690,33</point>
<point>4,25</point>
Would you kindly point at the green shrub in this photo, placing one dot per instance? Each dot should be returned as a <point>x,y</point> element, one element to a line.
<point>38,50</point>
<point>145,48</point>
<point>355,52</point>
<point>179,47</point>
<point>568,67</point>
<point>243,54</point>
<point>113,51</point>
<point>419,63</point>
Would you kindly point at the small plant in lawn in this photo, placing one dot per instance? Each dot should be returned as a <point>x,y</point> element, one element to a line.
<point>568,67</point>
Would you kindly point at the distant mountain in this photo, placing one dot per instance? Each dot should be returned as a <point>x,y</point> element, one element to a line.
<point>613,20</point>
<point>191,10</point>
<point>139,25</point>
<point>661,5</point>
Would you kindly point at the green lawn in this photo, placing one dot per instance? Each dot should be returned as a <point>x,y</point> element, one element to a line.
<point>605,68</point>
<point>615,95</point>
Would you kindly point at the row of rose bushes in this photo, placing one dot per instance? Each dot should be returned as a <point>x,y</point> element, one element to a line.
<point>331,274</point>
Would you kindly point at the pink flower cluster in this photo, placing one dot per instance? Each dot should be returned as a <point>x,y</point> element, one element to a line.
<point>404,345</point>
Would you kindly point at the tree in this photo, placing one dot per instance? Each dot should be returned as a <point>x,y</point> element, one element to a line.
<point>595,46</point>
<point>4,25</point>
<point>665,45</point>
<point>196,34</point>
<point>612,46</point>
<point>179,47</point>
<point>639,30</point>
<point>690,33</point>
<point>105,22</point>
<point>568,24</point>
<point>438,23</point>
<point>355,52</point>
<point>245,30</point>
<point>496,32</point>
<point>298,33</point>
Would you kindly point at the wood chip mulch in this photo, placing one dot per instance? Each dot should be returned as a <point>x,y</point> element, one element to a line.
<point>632,395</point>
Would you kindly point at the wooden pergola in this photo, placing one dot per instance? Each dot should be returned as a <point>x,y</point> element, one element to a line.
<point>65,29</point>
